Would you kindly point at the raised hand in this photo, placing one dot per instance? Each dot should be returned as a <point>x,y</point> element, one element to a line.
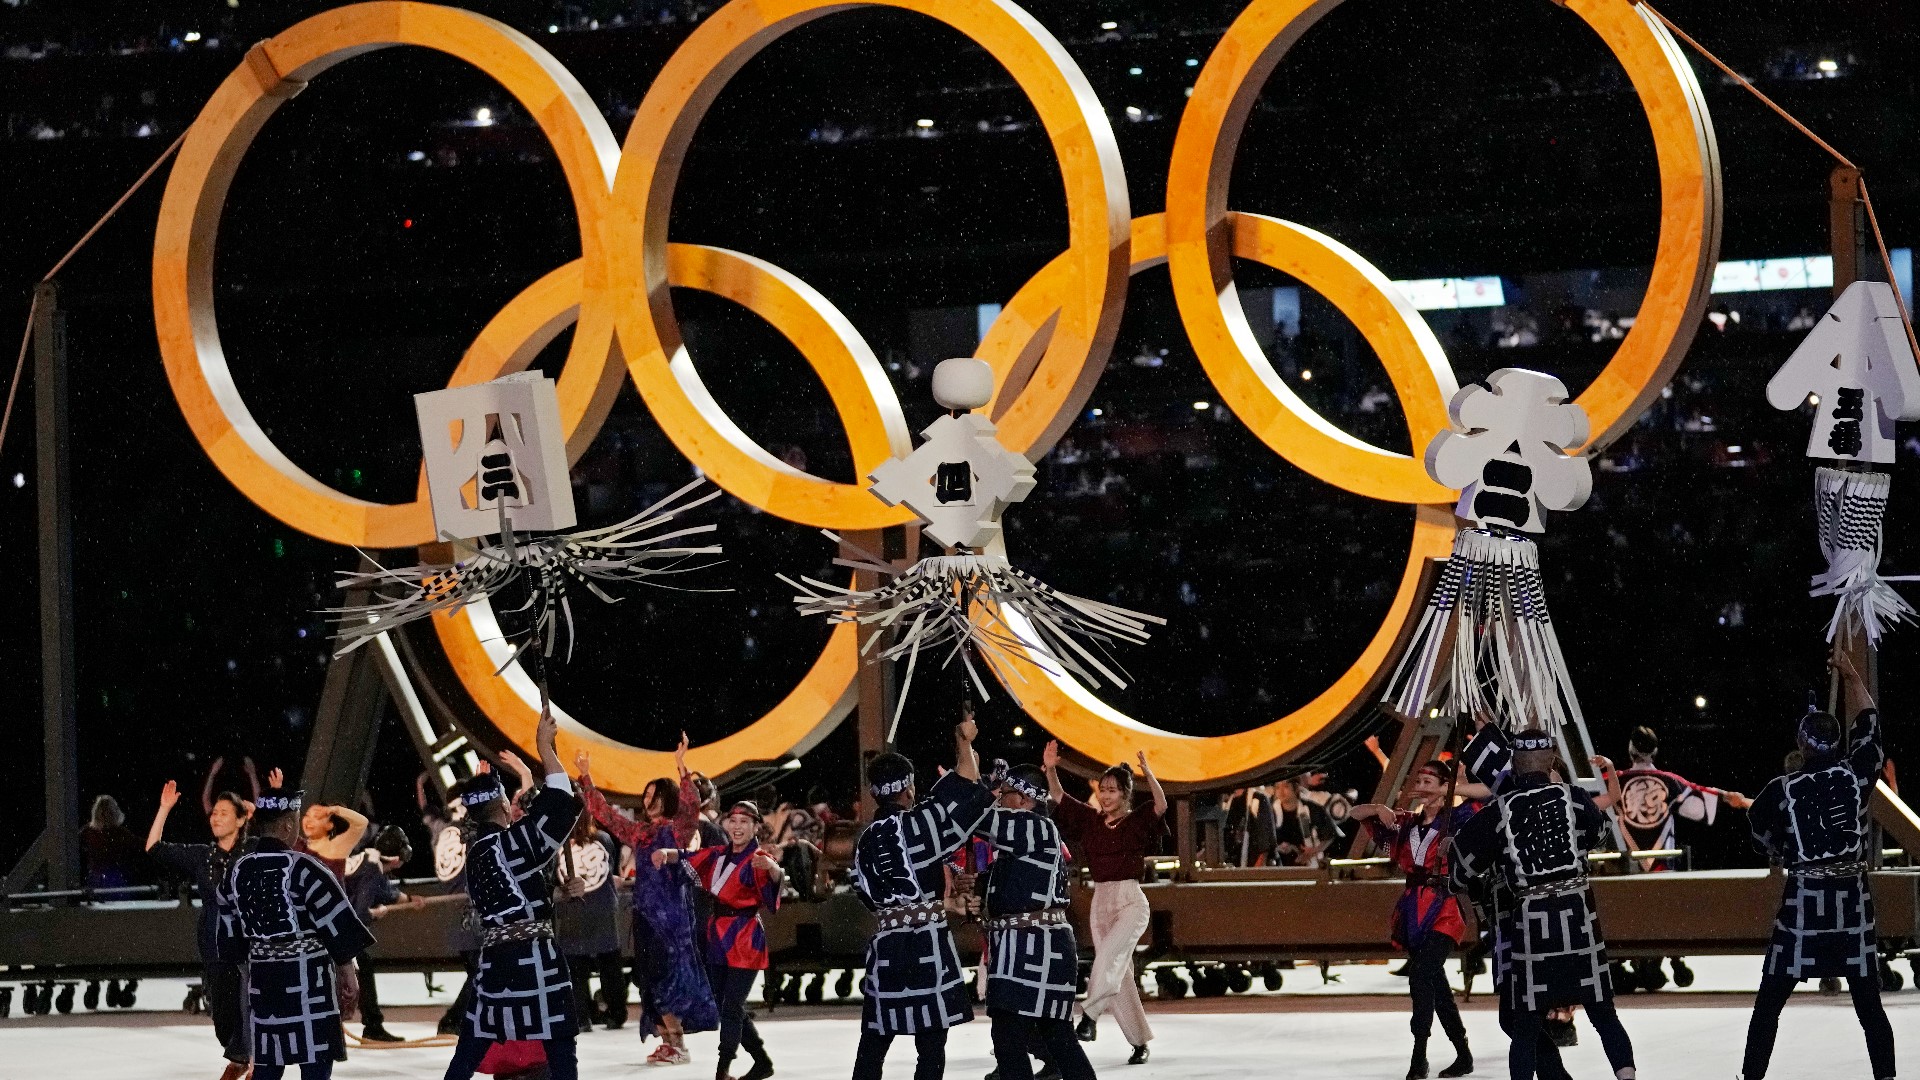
<point>581,764</point>
<point>663,856</point>
<point>680,751</point>
<point>485,768</point>
<point>169,795</point>
<point>276,778</point>
<point>968,730</point>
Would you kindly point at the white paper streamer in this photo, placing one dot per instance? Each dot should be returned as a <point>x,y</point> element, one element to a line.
<point>547,566</point>
<point>1491,608</point>
<point>957,601</point>
<point>1850,509</point>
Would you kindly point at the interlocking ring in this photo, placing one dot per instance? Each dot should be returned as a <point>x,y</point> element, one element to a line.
<point>1048,346</point>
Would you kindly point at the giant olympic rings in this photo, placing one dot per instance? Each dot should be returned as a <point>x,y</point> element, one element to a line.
<point>1049,344</point>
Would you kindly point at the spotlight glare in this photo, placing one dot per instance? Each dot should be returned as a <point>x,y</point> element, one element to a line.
<point>1109,25</point>
<point>483,116</point>
<point>923,122</point>
<point>1202,406</point>
<point>1829,66</point>
<point>1133,112</point>
<point>1019,731</point>
<point>1306,375</point>
<point>1699,702</point>
<point>19,480</point>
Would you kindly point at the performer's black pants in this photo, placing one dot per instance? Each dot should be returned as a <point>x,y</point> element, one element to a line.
<point>1774,990</point>
<point>370,1014</point>
<point>318,1070</point>
<point>929,1045</point>
<point>562,1060</point>
<point>225,989</point>
<point>730,986</point>
<point>1427,982</point>
<point>613,986</point>
<point>1532,1052</point>
<point>1014,1035</point>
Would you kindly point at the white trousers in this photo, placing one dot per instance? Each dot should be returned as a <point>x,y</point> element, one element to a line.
<point>1119,916</point>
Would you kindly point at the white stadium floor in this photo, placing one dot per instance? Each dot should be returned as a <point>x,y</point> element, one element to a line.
<point>1355,1027</point>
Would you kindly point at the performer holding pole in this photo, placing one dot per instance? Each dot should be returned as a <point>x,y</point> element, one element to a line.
<point>1532,840</point>
<point>1114,840</point>
<point>302,936</point>
<point>1035,960</point>
<point>223,978</point>
<point>523,990</point>
<point>1427,921</point>
<point>1814,822</point>
<point>914,983</point>
<point>743,878</point>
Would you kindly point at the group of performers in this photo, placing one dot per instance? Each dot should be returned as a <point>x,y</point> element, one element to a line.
<point>280,940</point>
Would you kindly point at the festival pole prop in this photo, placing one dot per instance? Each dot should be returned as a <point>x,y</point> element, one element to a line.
<point>496,466</point>
<point>972,601</point>
<point>1507,452</point>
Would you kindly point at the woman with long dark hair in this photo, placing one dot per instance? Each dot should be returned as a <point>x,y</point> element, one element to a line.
<point>674,996</point>
<point>223,980</point>
<point>1113,841</point>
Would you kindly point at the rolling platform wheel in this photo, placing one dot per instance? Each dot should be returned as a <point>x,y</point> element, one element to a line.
<point>1890,978</point>
<point>1239,979</point>
<point>46,997</point>
<point>1168,983</point>
<point>91,998</point>
<point>1649,974</point>
<point>195,1002</point>
<point>29,999</point>
<point>1682,974</point>
<point>843,986</point>
<point>64,1002</point>
<point>6,1002</point>
<point>1271,976</point>
<point>816,990</point>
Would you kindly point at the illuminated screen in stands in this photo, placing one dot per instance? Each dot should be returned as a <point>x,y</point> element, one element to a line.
<point>1806,272</point>
<point>1445,294</point>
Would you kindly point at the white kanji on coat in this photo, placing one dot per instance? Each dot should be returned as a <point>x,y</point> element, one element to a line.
<point>1507,450</point>
<point>1857,363</point>
<point>959,481</point>
<point>493,447</point>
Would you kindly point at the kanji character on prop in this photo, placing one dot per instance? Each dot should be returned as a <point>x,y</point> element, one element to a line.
<point>959,482</point>
<point>1858,369</point>
<point>1507,453</point>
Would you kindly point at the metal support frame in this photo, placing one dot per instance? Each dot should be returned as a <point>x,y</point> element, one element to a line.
<point>346,726</point>
<point>54,858</point>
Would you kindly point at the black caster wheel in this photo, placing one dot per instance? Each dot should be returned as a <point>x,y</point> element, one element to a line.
<point>816,991</point>
<point>1682,974</point>
<point>1169,984</point>
<point>1239,979</point>
<point>1890,978</point>
<point>64,1002</point>
<point>6,1002</point>
<point>91,998</point>
<point>843,986</point>
<point>1271,976</point>
<point>193,1004</point>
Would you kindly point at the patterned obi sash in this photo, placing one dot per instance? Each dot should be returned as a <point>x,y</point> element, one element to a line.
<point>524,930</point>
<point>1829,870</point>
<point>294,947</point>
<point>1054,916</point>
<point>1555,888</point>
<point>902,916</point>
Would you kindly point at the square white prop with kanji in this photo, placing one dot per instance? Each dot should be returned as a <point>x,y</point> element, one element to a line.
<point>493,450</point>
<point>1859,366</point>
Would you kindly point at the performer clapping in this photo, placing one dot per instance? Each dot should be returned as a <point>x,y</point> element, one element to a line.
<point>1532,841</point>
<point>1427,921</point>
<point>914,984</point>
<point>223,977</point>
<point>302,936</point>
<point>742,878</point>
<point>1813,821</point>
<point>523,991</point>
<point>1113,841</point>
<point>1035,961</point>
<point>675,997</point>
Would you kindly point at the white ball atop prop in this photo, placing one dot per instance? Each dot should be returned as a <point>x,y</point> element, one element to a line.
<point>964,382</point>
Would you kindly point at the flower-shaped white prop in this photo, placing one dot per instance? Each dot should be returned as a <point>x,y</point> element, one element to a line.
<point>1507,452</point>
<point>1485,644</point>
<point>959,482</point>
<point>1859,370</point>
<point>1858,366</point>
<point>496,463</point>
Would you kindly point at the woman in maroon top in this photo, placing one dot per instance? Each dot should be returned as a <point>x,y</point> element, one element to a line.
<point>1112,841</point>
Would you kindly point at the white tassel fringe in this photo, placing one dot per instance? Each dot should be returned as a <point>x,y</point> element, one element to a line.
<point>1850,509</point>
<point>1491,608</point>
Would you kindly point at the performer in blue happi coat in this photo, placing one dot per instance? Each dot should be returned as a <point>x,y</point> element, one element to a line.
<point>1813,821</point>
<point>301,937</point>
<point>914,983</point>
<point>523,990</point>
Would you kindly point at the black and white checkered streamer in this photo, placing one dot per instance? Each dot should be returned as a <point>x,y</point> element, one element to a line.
<point>1485,644</point>
<point>549,567</point>
<point>1850,509</point>
<point>954,601</point>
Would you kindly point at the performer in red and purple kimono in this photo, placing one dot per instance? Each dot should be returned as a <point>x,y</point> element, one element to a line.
<point>674,996</point>
<point>742,877</point>
<point>1427,921</point>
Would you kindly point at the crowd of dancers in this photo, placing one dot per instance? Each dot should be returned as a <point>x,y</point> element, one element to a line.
<point>1497,837</point>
